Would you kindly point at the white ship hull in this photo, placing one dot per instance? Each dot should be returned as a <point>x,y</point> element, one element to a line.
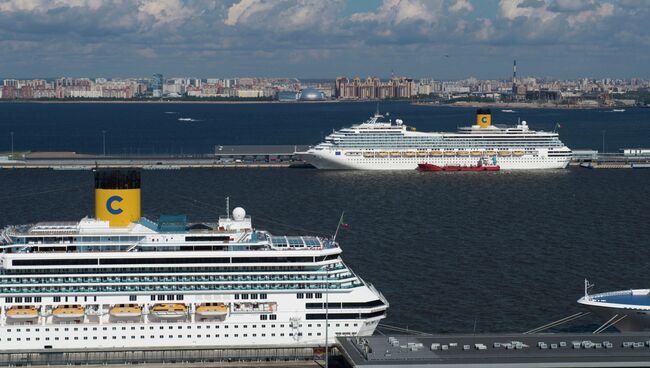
<point>330,161</point>
<point>290,329</point>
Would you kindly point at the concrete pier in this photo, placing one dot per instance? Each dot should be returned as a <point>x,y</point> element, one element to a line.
<point>214,356</point>
<point>224,157</point>
<point>498,350</point>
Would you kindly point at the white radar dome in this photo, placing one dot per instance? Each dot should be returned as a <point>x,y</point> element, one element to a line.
<point>239,214</point>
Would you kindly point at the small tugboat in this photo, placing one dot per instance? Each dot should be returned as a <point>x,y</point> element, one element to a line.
<point>481,166</point>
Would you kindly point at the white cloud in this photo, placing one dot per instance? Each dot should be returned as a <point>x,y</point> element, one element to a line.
<point>284,15</point>
<point>41,6</point>
<point>513,9</point>
<point>402,11</point>
<point>461,5</point>
<point>147,52</point>
<point>592,15</point>
<point>164,11</point>
<point>242,11</point>
<point>486,31</point>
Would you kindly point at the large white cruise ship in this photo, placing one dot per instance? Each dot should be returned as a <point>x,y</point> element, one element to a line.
<point>383,144</point>
<point>122,281</point>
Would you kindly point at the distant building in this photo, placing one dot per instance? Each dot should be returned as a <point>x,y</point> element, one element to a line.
<point>310,94</point>
<point>287,96</point>
<point>250,93</point>
<point>157,85</point>
<point>373,88</point>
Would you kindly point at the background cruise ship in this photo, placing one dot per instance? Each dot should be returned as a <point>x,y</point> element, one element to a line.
<point>381,144</point>
<point>120,280</point>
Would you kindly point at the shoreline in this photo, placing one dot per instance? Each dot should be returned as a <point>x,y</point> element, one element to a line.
<point>516,105</point>
<point>159,102</point>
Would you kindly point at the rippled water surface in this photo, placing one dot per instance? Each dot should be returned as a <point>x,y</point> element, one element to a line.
<point>507,250</point>
<point>156,128</point>
<point>501,251</point>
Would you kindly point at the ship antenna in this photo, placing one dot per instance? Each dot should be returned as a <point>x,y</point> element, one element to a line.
<point>587,287</point>
<point>377,111</point>
<point>228,207</point>
<point>338,226</point>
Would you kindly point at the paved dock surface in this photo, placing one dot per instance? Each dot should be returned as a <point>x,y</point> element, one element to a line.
<point>224,157</point>
<point>517,350</point>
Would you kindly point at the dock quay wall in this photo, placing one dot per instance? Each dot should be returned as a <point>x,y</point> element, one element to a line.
<point>297,357</point>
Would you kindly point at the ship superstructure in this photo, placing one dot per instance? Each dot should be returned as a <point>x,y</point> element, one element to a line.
<point>121,280</point>
<point>381,144</point>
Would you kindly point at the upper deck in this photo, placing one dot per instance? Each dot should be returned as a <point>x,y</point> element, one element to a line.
<point>637,299</point>
<point>172,233</point>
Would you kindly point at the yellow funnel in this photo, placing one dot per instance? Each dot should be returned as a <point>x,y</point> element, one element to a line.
<point>483,118</point>
<point>117,197</point>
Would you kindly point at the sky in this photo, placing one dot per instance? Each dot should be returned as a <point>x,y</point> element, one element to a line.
<point>440,39</point>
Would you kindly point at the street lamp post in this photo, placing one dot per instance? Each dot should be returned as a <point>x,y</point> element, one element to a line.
<point>12,145</point>
<point>104,141</point>
<point>603,141</point>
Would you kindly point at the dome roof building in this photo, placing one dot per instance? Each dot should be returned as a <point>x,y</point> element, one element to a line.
<point>311,94</point>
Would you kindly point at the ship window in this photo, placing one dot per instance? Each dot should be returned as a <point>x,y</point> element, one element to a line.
<point>133,298</point>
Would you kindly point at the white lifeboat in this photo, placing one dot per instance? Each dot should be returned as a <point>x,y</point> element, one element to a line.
<point>212,310</point>
<point>126,310</point>
<point>168,310</point>
<point>69,311</point>
<point>22,312</point>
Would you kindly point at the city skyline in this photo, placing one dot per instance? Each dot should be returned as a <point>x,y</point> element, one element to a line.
<point>444,39</point>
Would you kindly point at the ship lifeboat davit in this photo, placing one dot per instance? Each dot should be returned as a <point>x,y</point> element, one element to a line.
<point>69,312</point>
<point>22,312</point>
<point>207,310</point>
<point>432,167</point>
<point>169,310</point>
<point>126,310</point>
